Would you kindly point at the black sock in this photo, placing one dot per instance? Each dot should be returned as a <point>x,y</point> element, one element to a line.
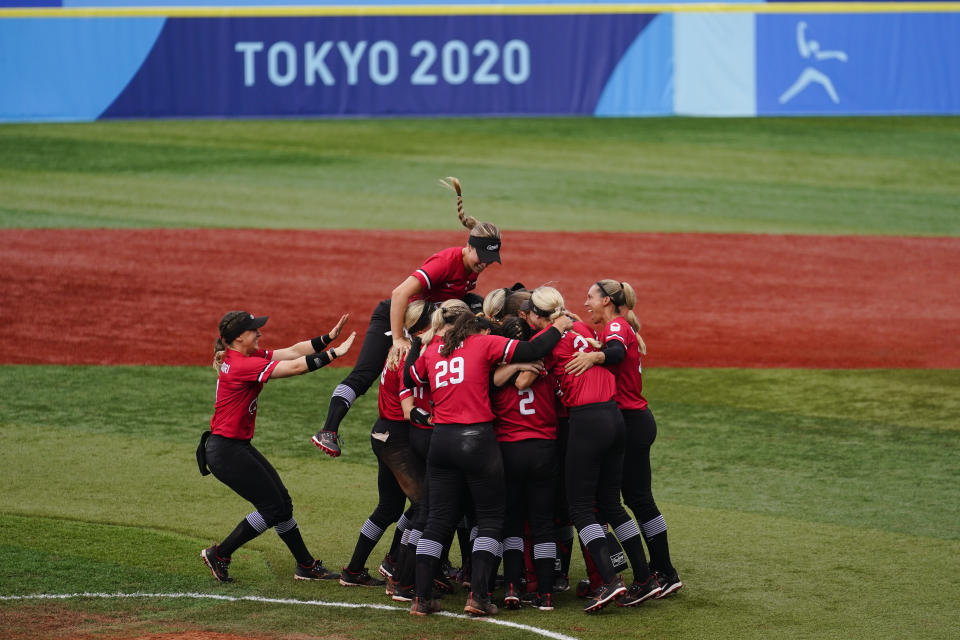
<point>544,570</point>
<point>425,570</point>
<point>600,554</point>
<point>361,552</point>
<point>483,564</point>
<point>660,553</point>
<point>638,559</point>
<point>395,545</point>
<point>466,547</point>
<point>242,534</point>
<point>513,567</point>
<point>406,567</point>
<point>298,548</point>
<point>564,551</point>
<point>335,413</point>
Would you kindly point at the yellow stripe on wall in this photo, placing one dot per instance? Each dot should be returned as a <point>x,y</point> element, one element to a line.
<point>477,10</point>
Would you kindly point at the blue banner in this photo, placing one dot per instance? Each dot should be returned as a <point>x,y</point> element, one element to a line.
<point>83,63</point>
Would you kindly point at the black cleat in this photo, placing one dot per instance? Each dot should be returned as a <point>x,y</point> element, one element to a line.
<point>669,583</point>
<point>218,566</point>
<point>316,571</point>
<point>387,568</point>
<point>423,607</point>
<point>604,595</point>
<point>328,441</point>
<point>543,602</point>
<point>480,606</point>
<point>360,578</point>
<point>403,594</point>
<point>511,599</point>
<point>640,591</point>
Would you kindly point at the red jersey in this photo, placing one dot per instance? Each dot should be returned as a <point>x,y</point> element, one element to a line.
<point>460,383</point>
<point>596,384</point>
<point>443,277</point>
<point>390,393</point>
<point>523,414</point>
<point>627,372</point>
<point>238,385</point>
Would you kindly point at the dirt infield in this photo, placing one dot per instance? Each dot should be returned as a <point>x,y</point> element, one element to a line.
<point>155,296</point>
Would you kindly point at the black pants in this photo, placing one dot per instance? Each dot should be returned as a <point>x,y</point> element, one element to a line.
<point>401,472</point>
<point>373,353</point>
<point>419,448</point>
<point>238,464</point>
<point>530,472</point>
<point>463,454</point>
<point>641,431</point>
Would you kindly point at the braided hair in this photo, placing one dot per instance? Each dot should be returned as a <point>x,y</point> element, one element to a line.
<point>477,229</point>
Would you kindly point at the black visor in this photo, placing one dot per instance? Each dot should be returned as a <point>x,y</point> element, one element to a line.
<point>488,249</point>
<point>246,321</point>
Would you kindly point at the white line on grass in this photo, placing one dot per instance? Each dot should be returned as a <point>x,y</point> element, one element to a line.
<point>315,603</point>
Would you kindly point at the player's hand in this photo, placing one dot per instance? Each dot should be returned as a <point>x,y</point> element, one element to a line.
<point>580,362</point>
<point>563,323</point>
<point>335,332</point>
<point>399,350</point>
<point>343,347</point>
<point>533,367</point>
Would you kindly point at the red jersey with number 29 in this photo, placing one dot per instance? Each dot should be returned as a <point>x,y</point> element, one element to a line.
<point>443,276</point>
<point>596,384</point>
<point>627,372</point>
<point>524,414</point>
<point>238,386</point>
<point>460,383</point>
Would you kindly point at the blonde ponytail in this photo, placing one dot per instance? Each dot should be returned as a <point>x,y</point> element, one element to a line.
<point>219,351</point>
<point>549,299</point>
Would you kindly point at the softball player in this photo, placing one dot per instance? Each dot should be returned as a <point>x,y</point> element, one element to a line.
<point>243,368</point>
<point>610,304</point>
<point>400,475</point>
<point>463,448</point>
<point>525,423</point>
<point>417,404</point>
<point>594,464</point>
<point>451,273</point>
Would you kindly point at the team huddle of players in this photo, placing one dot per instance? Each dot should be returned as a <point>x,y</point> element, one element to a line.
<point>507,419</point>
<point>520,419</point>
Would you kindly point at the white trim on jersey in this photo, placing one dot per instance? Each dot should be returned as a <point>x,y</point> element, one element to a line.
<point>425,277</point>
<point>506,350</point>
<point>618,337</point>
<point>266,372</point>
<point>413,372</point>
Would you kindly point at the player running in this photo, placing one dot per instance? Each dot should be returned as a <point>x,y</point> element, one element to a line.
<point>451,273</point>
<point>242,370</point>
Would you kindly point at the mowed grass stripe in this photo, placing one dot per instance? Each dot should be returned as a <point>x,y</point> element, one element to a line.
<point>836,176</point>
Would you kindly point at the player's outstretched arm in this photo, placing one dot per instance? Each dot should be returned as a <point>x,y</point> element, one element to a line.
<point>315,345</point>
<point>314,361</point>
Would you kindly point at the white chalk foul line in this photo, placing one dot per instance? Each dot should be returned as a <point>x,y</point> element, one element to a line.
<point>315,603</point>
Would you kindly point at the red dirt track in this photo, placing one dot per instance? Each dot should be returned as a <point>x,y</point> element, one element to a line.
<point>155,296</point>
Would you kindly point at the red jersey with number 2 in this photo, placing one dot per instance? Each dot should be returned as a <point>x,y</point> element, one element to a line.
<point>460,383</point>
<point>596,384</point>
<point>628,372</point>
<point>523,414</point>
<point>443,276</point>
<point>238,387</point>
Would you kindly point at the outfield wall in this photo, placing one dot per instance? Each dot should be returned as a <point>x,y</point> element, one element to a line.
<point>73,61</point>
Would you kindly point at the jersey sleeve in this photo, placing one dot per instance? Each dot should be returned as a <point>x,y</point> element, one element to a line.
<point>253,369</point>
<point>418,372</point>
<point>614,331</point>
<point>500,349</point>
<point>433,272</point>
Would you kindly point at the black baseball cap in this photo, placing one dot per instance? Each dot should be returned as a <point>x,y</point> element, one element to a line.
<point>488,249</point>
<point>235,323</point>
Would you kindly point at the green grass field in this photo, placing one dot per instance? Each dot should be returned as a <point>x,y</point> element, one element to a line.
<point>898,176</point>
<point>801,503</point>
